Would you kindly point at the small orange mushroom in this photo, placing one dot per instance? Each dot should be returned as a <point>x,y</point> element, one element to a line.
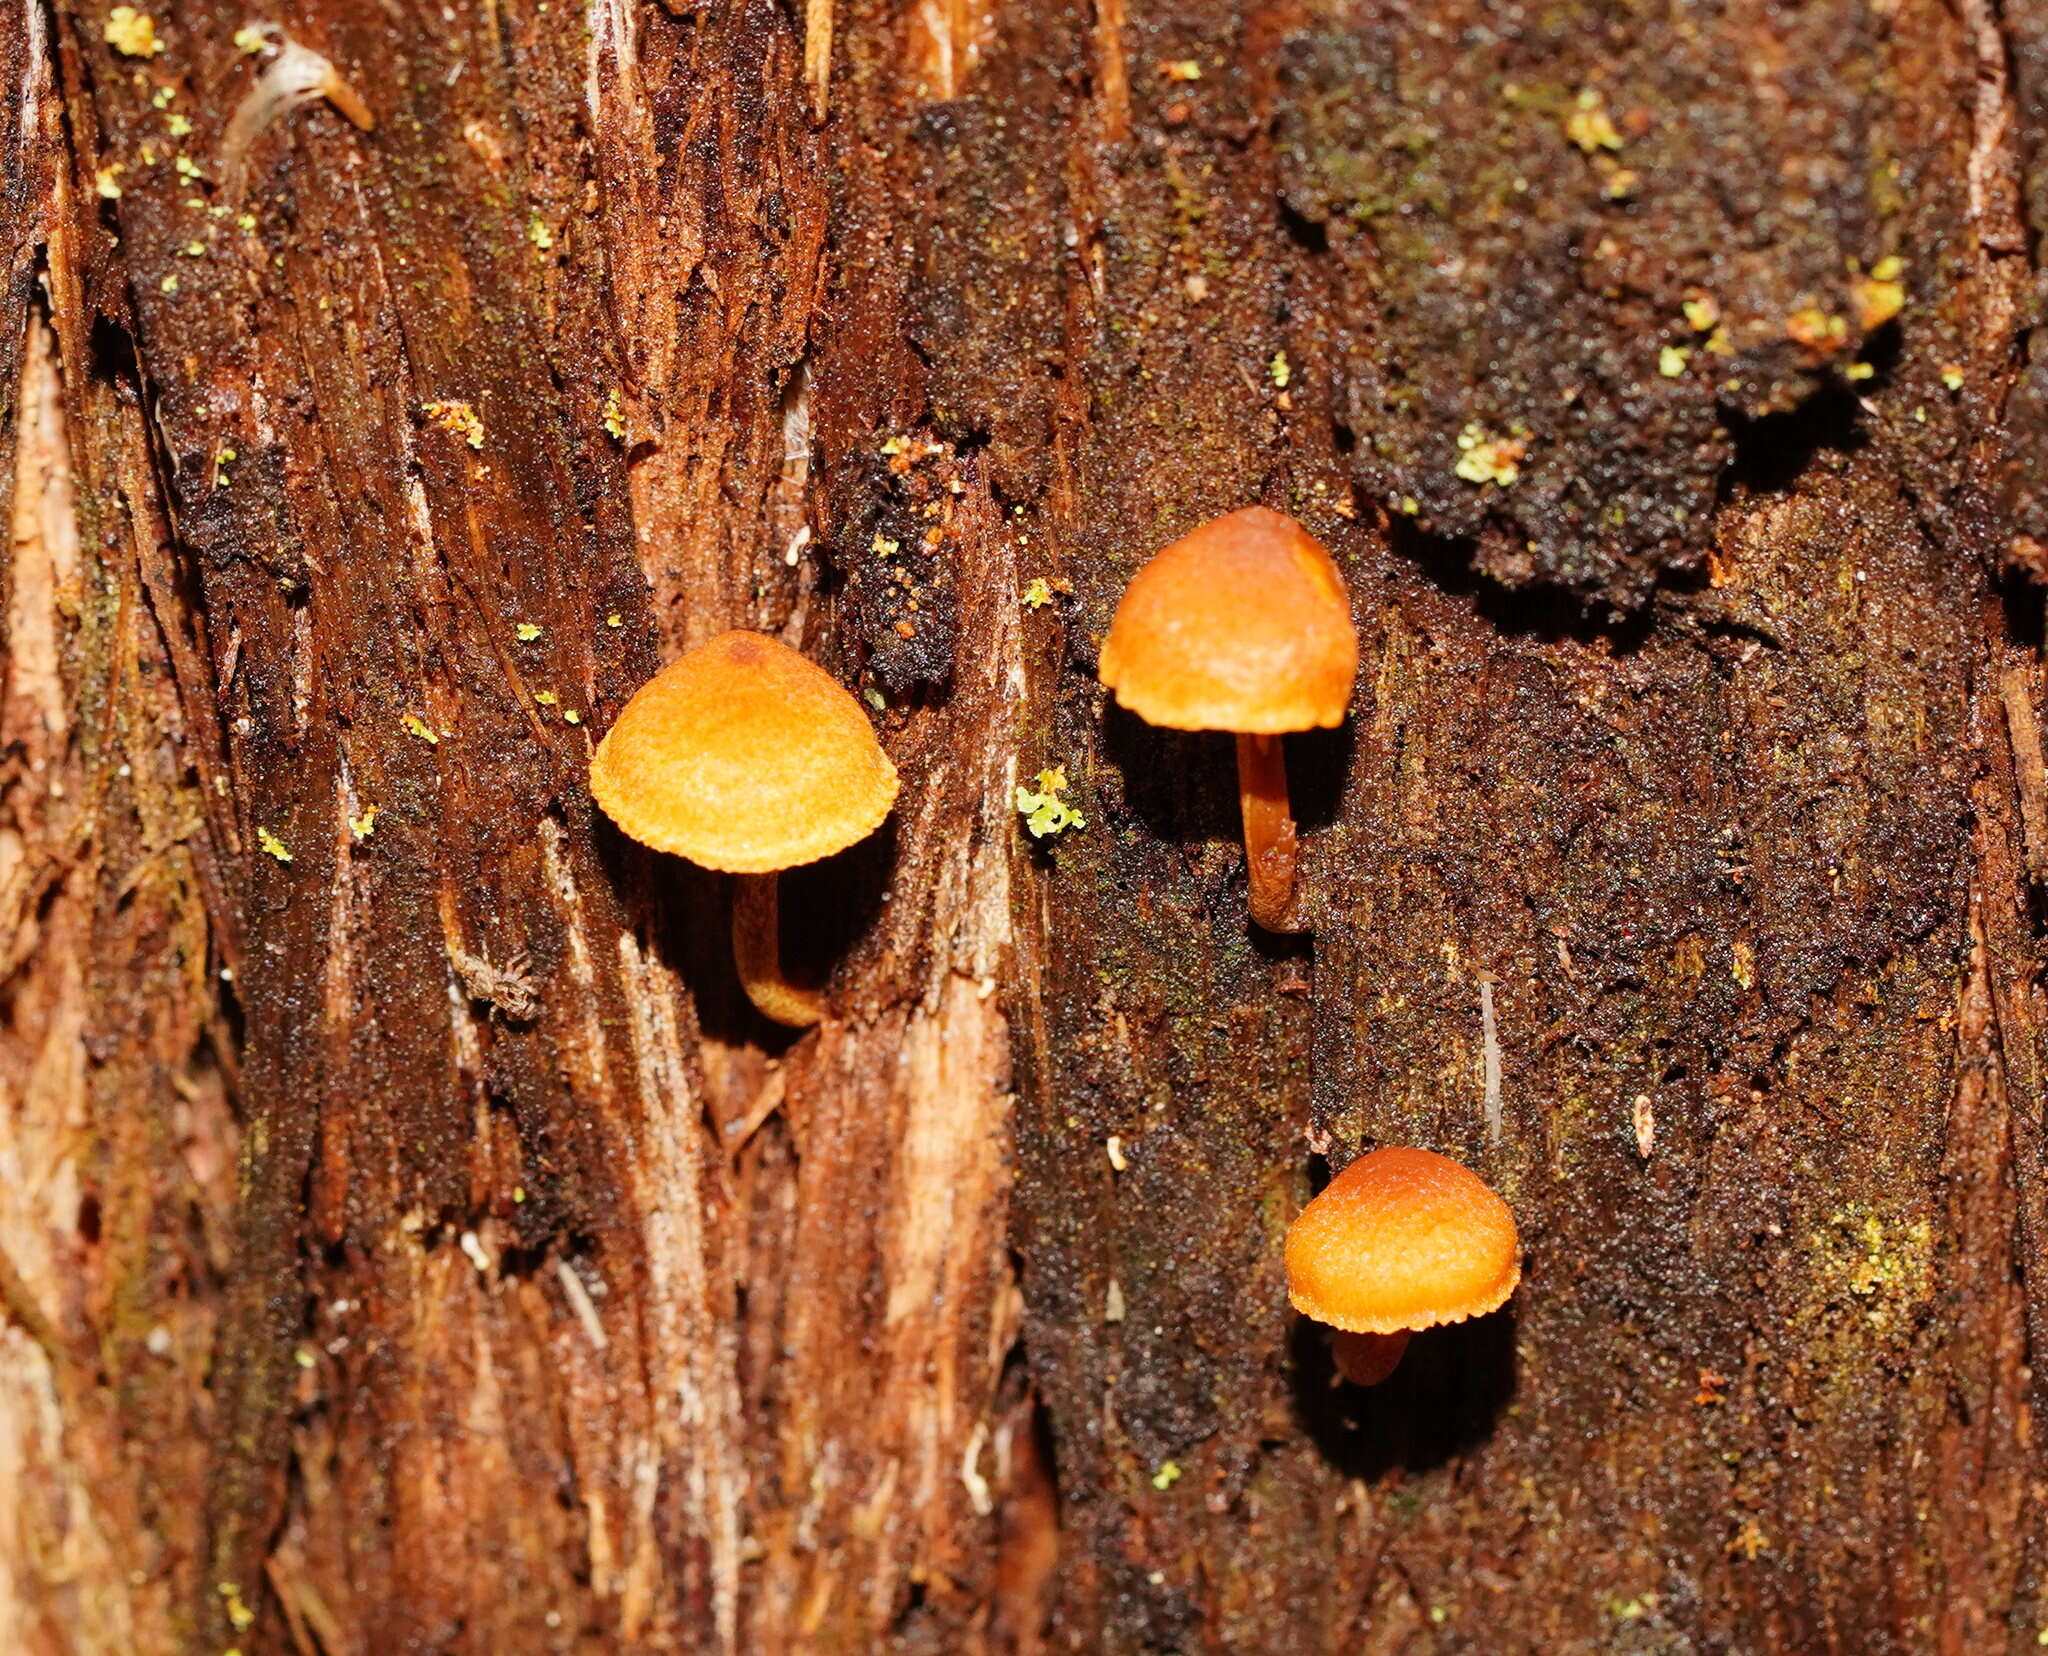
<point>1241,626</point>
<point>1402,1239</point>
<point>746,758</point>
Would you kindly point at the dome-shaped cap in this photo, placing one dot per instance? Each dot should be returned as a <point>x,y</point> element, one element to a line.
<point>1402,1238</point>
<point>1242,625</point>
<point>744,757</point>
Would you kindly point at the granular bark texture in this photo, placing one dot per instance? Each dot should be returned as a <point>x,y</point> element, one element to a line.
<point>410,1240</point>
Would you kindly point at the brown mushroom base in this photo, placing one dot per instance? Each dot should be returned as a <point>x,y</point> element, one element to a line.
<point>1269,840</point>
<point>1367,1359</point>
<point>757,952</point>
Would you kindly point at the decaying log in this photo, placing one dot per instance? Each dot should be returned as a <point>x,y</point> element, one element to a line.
<point>410,1239</point>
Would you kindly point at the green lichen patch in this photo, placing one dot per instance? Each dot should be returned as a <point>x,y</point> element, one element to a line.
<point>1873,1264</point>
<point>1046,815</point>
<point>1512,235</point>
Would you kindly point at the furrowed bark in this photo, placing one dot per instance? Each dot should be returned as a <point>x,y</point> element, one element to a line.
<point>409,1238</point>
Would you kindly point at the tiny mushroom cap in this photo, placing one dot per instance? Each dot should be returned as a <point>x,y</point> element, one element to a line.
<point>744,757</point>
<point>1242,626</point>
<point>1401,1239</point>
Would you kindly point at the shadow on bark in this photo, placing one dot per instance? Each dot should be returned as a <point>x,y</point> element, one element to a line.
<point>1443,1401</point>
<point>1182,785</point>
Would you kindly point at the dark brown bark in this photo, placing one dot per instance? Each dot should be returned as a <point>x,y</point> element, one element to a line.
<point>409,1237</point>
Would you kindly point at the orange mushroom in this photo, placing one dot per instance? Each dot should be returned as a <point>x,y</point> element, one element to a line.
<point>746,758</point>
<point>1402,1239</point>
<point>1241,626</point>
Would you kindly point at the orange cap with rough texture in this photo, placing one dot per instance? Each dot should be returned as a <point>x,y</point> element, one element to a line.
<point>1402,1238</point>
<point>1241,626</point>
<point>744,757</point>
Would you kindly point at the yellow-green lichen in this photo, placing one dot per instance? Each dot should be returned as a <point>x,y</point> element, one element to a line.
<point>240,1617</point>
<point>1881,1262</point>
<point>1881,295</point>
<point>1588,125</point>
<point>132,33</point>
<point>1045,813</point>
<point>1484,457</point>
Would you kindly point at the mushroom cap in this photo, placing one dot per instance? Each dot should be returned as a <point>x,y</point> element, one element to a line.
<point>1402,1238</point>
<point>743,756</point>
<point>1243,625</point>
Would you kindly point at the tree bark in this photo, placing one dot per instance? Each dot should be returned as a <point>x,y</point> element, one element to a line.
<point>410,1239</point>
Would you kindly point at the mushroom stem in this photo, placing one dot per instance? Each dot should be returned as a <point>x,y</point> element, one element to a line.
<point>1367,1359</point>
<point>1269,840</point>
<point>757,952</point>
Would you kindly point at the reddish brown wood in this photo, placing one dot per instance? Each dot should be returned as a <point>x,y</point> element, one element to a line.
<point>409,1237</point>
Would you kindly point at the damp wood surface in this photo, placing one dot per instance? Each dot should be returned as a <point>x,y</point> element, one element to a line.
<point>410,1240</point>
